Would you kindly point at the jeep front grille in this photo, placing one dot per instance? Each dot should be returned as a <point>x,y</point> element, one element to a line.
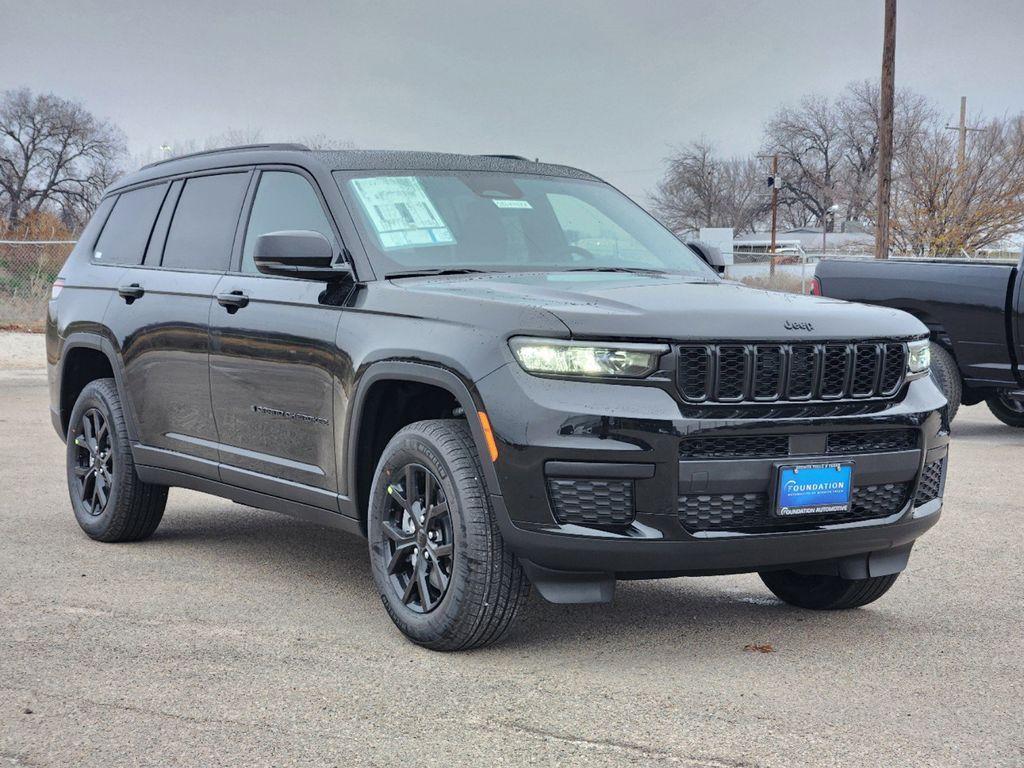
<point>740,373</point>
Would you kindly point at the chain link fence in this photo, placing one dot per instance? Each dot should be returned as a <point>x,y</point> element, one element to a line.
<point>27,271</point>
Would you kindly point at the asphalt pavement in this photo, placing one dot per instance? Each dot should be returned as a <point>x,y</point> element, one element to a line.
<point>240,637</point>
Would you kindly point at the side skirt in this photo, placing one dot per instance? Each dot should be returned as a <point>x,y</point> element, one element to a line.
<point>310,514</point>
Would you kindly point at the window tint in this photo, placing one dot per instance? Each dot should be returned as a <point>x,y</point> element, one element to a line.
<point>283,201</point>
<point>124,236</point>
<point>204,223</point>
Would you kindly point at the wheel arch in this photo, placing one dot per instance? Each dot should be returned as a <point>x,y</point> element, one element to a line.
<point>361,454</point>
<point>86,357</point>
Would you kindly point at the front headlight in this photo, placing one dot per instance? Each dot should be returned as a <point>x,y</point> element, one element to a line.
<point>918,358</point>
<point>555,357</point>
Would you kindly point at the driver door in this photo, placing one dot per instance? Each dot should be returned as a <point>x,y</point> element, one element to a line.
<point>273,355</point>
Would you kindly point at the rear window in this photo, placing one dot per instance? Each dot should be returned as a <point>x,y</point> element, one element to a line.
<point>124,236</point>
<point>203,228</point>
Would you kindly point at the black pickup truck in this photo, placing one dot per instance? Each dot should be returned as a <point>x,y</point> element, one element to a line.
<point>973,309</point>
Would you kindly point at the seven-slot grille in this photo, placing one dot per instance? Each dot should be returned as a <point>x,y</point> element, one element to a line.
<point>736,373</point>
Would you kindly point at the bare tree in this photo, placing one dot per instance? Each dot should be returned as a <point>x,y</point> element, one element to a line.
<point>233,137</point>
<point>828,155</point>
<point>828,150</point>
<point>858,111</point>
<point>942,209</point>
<point>55,156</point>
<point>701,189</point>
<point>324,141</point>
<point>809,142</point>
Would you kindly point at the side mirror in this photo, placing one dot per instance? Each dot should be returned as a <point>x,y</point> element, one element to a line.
<point>709,254</point>
<point>304,254</point>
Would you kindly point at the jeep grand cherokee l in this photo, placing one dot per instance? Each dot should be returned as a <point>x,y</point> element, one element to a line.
<point>501,372</point>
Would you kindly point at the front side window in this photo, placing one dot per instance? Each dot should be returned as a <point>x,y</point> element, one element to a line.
<point>284,201</point>
<point>507,222</point>
<point>126,232</point>
<point>203,228</point>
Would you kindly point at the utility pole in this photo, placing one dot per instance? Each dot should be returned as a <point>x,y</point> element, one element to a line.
<point>963,129</point>
<point>885,122</point>
<point>773,182</point>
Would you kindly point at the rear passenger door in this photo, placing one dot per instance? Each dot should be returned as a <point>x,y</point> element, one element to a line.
<point>273,358</point>
<point>161,318</point>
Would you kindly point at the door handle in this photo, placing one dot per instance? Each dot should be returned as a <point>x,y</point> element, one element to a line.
<point>233,301</point>
<point>130,292</point>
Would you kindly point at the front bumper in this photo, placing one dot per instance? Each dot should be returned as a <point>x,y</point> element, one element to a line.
<point>548,429</point>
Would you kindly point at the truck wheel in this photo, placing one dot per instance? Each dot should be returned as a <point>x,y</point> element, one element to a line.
<point>1006,409</point>
<point>825,593</point>
<point>439,563</point>
<point>110,502</point>
<point>946,375</point>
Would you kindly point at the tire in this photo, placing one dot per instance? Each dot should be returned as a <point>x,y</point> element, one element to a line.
<point>946,375</point>
<point>475,586</point>
<point>826,593</point>
<point>1006,409</point>
<point>99,454</point>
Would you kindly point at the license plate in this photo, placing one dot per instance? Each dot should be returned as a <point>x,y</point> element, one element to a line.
<point>814,489</point>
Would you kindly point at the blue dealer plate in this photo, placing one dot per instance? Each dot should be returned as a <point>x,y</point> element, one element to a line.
<point>814,489</point>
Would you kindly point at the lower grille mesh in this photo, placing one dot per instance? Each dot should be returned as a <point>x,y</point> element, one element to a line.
<point>930,486</point>
<point>750,513</point>
<point>872,441</point>
<point>586,501</point>
<point>738,446</point>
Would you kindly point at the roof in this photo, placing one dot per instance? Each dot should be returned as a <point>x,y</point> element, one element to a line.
<point>344,160</point>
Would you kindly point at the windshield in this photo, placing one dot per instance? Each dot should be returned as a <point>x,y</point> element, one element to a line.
<point>502,222</point>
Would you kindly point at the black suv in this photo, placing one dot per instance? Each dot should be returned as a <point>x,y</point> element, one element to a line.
<point>500,372</point>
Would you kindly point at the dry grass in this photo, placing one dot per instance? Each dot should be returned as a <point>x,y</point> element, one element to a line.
<point>779,282</point>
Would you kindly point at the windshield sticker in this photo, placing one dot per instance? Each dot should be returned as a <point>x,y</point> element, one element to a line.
<point>521,204</point>
<point>401,213</point>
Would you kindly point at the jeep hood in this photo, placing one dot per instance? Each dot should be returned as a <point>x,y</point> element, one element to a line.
<point>670,307</point>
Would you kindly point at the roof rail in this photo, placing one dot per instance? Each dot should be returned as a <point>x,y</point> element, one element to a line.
<point>237,148</point>
<point>508,157</point>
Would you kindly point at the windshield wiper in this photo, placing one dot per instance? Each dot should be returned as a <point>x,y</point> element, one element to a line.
<point>433,272</point>
<point>632,270</point>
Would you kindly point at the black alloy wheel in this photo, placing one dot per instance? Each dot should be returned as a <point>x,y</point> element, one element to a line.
<point>419,538</point>
<point>94,461</point>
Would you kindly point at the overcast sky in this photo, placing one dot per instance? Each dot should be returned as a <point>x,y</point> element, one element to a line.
<point>604,85</point>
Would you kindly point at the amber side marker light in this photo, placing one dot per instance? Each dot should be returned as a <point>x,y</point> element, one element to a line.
<point>492,446</point>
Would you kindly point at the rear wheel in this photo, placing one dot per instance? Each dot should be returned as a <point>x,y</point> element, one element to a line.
<point>110,502</point>
<point>439,562</point>
<point>1006,409</point>
<point>946,375</point>
<point>826,593</point>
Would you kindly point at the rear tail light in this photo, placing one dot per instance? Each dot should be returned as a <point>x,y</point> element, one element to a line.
<point>816,287</point>
<point>56,288</point>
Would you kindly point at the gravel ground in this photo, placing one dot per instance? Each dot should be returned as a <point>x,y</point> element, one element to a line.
<point>240,637</point>
<point>22,350</point>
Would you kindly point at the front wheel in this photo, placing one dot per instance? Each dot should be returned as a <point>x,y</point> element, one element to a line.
<point>439,562</point>
<point>110,501</point>
<point>825,593</point>
<point>1006,409</point>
